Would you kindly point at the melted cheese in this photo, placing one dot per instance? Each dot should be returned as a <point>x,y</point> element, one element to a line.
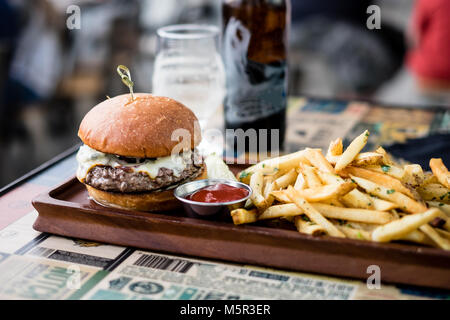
<point>88,158</point>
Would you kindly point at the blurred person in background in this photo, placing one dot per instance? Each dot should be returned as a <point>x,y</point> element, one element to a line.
<point>9,32</point>
<point>424,79</point>
<point>35,68</point>
<point>353,60</point>
<point>429,57</point>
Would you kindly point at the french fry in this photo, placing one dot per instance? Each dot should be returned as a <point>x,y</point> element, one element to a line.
<point>397,229</point>
<point>352,151</point>
<point>300,182</point>
<point>285,180</point>
<point>368,158</point>
<point>317,159</point>
<point>333,159</point>
<point>256,183</point>
<point>441,206</point>
<point>281,210</point>
<point>279,164</point>
<point>359,225</point>
<point>268,178</point>
<point>405,203</point>
<point>275,174</point>
<point>304,225</point>
<point>241,216</point>
<point>311,178</point>
<point>329,178</point>
<point>352,233</point>
<point>248,204</point>
<point>391,170</point>
<point>268,181</point>
<point>245,175</point>
<point>386,159</point>
<point>288,218</point>
<point>413,175</point>
<point>362,159</point>
<point>429,177</point>
<point>381,179</point>
<point>336,148</point>
<point>418,236</point>
<point>443,233</point>
<point>396,214</point>
<point>268,187</point>
<point>334,151</point>
<point>358,199</point>
<point>327,192</point>
<point>383,205</point>
<point>312,213</point>
<point>430,232</point>
<point>333,202</point>
<point>440,171</point>
<point>434,192</point>
<point>281,196</point>
<point>320,193</point>
<point>446,219</point>
<point>353,214</point>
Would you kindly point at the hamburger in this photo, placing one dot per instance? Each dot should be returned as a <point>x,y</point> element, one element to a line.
<point>129,158</point>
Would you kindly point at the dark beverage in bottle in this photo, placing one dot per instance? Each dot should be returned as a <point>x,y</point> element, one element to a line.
<point>255,35</point>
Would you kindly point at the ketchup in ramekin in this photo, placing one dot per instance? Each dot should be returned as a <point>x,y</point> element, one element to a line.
<point>212,198</point>
<point>218,193</point>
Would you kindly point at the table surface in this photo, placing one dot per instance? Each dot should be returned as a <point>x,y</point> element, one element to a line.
<point>36,265</point>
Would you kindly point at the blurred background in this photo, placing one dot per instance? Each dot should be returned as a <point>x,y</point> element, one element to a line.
<point>51,76</point>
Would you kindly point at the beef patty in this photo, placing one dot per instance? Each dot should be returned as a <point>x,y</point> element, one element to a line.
<point>123,179</point>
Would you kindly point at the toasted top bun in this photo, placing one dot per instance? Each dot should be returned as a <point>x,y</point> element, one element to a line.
<point>140,128</point>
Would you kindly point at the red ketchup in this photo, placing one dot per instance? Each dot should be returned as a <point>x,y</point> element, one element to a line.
<point>218,193</point>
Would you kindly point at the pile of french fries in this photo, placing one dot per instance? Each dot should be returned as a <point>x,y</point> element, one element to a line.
<point>351,194</point>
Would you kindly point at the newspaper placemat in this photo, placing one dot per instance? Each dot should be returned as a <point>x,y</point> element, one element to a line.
<point>44,266</point>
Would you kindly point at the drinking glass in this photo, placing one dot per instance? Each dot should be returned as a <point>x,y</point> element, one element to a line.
<point>189,68</point>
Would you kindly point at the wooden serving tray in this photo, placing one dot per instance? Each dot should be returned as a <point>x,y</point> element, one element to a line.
<point>67,211</point>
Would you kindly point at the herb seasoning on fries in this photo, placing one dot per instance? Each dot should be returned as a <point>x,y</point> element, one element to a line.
<point>352,194</point>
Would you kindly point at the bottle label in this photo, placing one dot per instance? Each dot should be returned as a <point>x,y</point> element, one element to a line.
<point>254,90</point>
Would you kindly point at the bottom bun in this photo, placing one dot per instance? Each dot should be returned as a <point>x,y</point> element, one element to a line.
<point>155,201</point>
